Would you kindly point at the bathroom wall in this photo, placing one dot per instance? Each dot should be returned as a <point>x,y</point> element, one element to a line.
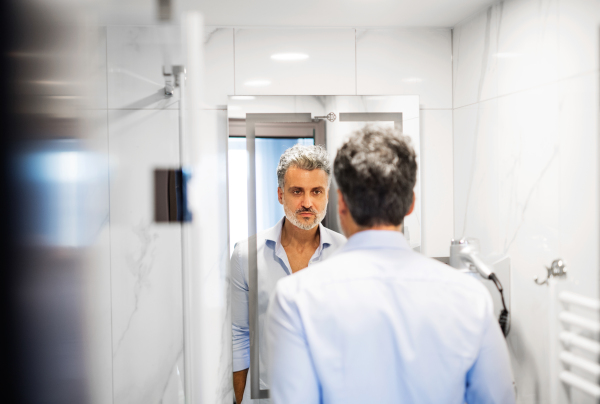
<point>526,102</point>
<point>142,325</point>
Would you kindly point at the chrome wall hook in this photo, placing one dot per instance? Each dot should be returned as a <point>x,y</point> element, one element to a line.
<point>557,269</point>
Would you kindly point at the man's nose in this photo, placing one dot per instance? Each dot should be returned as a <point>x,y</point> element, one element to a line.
<point>307,201</point>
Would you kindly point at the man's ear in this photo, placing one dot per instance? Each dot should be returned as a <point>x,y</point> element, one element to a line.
<point>412,205</point>
<point>280,195</point>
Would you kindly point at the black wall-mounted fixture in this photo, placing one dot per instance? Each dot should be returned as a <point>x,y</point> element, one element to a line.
<point>170,196</point>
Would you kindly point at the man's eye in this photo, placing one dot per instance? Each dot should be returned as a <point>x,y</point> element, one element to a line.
<point>318,192</point>
<point>296,192</point>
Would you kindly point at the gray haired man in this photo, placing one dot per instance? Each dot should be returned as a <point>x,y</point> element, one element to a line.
<point>378,322</point>
<point>296,242</point>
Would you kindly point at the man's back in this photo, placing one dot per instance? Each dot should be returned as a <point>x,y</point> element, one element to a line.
<point>379,323</point>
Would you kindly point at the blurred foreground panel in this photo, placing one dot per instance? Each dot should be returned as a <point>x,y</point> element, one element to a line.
<point>54,200</point>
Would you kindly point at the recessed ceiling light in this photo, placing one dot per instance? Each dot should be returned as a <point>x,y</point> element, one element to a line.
<point>289,56</point>
<point>412,80</point>
<point>243,97</point>
<point>257,83</point>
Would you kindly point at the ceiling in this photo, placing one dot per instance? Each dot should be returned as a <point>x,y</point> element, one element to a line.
<point>299,13</point>
<point>338,13</point>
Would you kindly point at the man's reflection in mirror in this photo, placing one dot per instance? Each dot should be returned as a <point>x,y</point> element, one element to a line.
<point>295,242</point>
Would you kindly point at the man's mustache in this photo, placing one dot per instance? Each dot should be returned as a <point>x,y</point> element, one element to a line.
<point>303,210</point>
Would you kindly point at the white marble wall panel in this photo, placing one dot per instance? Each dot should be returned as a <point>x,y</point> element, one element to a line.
<point>528,207</point>
<point>219,68</point>
<point>475,58</point>
<point>146,261</point>
<point>527,53</point>
<point>436,182</point>
<point>578,197</point>
<point>406,62</point>
<point>534,153</point>
<point>136,55</point>
<point>506,176</point>
<point>328,69</point>
<point>579,28</point>
<point>476,178</point>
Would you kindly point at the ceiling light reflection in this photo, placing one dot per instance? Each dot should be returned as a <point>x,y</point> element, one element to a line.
<point>243,97</point>
<point>412,80</point>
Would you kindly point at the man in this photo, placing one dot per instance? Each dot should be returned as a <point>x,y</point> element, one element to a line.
<point>378,322</point>
<point>297,241</point>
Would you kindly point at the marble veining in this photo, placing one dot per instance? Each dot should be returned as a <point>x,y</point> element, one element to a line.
<point>140,266</point>
<point>525,205</point>
<point>475,59</point>
<point>147,302</point>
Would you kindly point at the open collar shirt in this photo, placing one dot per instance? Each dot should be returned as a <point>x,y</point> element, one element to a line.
<point>273,264</point>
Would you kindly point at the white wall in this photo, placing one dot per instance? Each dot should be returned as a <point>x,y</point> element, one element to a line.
<point>144,287</point>
<point>526,85</point>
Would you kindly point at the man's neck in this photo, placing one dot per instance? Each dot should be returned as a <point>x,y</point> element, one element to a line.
<point>357,229</point>
<point>293,235</point>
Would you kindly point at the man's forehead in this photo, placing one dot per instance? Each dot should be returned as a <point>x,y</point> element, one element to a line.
<point>298,177</point>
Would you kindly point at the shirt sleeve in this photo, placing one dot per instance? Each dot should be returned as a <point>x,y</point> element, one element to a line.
<point>490,378</point>
<point>240,331</point>
<point>292,375</point>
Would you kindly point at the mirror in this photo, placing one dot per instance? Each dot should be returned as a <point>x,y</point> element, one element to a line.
<point>261,128</point>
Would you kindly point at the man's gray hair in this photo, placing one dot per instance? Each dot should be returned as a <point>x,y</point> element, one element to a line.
<point>303,157</point>
<point>376,171</point>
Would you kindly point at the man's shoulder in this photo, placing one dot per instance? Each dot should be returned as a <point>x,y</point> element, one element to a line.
<point>355,264</point>
<point>338,238</point>
<point>334,238</point>
<point>241,247</point>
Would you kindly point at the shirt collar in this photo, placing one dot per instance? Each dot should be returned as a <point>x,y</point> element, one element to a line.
<point>273,235</point>
<point>377,239</point>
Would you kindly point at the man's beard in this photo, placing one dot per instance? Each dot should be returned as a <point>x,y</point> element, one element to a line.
<point>318,218</point>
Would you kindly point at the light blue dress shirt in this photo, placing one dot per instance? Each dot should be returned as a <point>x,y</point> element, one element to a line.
<point>273,265</point>
<point>380,323</point>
